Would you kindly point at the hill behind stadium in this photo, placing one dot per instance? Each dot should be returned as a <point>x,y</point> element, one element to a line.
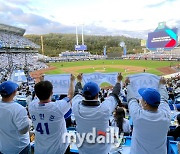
<point>57,43</point>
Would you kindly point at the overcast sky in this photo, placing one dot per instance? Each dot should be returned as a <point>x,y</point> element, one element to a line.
<point>133,18</point>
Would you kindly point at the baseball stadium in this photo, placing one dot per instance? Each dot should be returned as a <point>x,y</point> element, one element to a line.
<point>100,78</point>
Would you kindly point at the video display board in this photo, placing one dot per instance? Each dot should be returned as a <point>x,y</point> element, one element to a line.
<point>80,47</point>
<point>165,38</point>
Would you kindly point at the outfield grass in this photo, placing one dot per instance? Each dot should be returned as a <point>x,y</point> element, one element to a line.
<point>144,63</point>
<point>56,71</point>
<point>151,66</point>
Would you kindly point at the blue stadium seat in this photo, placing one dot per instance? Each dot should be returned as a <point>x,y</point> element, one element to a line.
<point>177,100</point>
<point>23,103</point>
<point>172,127</point>
<point>169,138</point>
<point>173,147</point>
<point>178,139</point>
<point>177,106</point>
<point>71,128</point>
<point>55,97</point>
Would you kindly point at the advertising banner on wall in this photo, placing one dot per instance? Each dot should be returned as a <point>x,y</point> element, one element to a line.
<point>165,39</point>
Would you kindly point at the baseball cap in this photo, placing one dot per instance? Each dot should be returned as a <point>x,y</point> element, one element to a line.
<point>150,95</point>
<point>8,87</point>
<point>91,88</point>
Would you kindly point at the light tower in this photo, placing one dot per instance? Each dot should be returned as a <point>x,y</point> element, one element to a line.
<point>82,36</point>
<point>76,36</point>
<point>81,47</point>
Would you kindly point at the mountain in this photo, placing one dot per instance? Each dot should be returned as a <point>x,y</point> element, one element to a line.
<point>55,43</point>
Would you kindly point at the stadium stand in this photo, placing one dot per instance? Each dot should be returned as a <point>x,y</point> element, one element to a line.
<point>12,37</point>
<point>173,55</point>
<point>74,56</point>
<point>17,52</point>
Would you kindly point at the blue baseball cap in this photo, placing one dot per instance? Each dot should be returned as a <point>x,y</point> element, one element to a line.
<point>8,87</point>
<point>90,88</point>
<point>150,95</point>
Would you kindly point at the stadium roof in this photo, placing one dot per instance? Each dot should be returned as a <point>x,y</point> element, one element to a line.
<point>12,29</point>
<point>8,51</point>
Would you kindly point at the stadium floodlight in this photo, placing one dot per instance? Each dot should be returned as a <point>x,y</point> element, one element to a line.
<point>76,36</point>
<point>82,35</point>
<point>82,47</point>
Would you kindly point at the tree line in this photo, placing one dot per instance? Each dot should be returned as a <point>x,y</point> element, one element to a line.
<point>55,43</point>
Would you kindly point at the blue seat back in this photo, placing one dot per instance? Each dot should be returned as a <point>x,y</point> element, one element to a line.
<point>23,103</point>
<point>169,138</point>
<point>177,100</point>
<point>178,139</point>
<point>177,106</point>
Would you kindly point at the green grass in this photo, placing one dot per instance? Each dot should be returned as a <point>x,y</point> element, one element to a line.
<point>56,71</point>
<point>100,69</point>
<point>151,66</point>
<point>154,71</point>
<point>105,84</point>
<point>144,63</point>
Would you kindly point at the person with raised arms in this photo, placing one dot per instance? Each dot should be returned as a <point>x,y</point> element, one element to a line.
<point>92,116</point>
<point>48,119</point>
<point>151,119</point>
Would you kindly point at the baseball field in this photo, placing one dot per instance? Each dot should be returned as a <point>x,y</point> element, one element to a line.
<point>105,66</point>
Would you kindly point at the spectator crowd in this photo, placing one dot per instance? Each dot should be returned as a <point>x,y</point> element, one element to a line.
<point>47,117</point>
<point>19,61</point>
<point>13,40</point>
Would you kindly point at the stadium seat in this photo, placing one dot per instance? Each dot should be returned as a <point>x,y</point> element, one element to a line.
<point>172,127</point>
<point>23,103</point>
<point>55,97</point>
<point>169,138</point>
<point>177,106</point>
<point>177,100</point>
<point>71,128</point>
<point>178,139</point>
<point>173,147</point>
<point>128,140</point>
